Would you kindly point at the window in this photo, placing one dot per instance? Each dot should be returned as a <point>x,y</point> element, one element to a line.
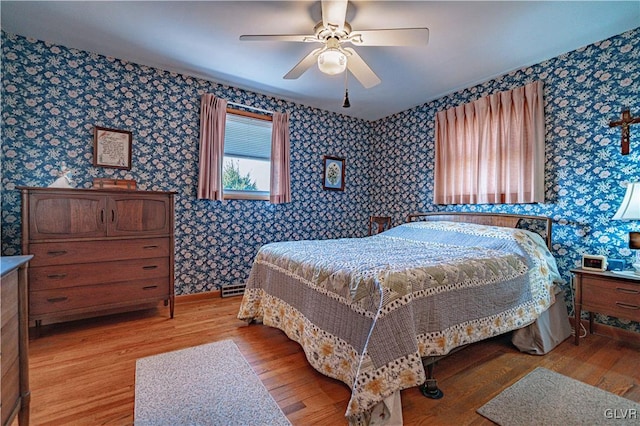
<point>260,138</point>
<point>246,167</point>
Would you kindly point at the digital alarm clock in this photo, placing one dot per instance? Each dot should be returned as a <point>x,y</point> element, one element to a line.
<point>594,262</point>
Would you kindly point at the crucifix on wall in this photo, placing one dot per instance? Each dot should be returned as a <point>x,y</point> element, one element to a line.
<point>626,122</point>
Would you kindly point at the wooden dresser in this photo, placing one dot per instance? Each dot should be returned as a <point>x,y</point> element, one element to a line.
<point>14,355</point>
<point>97,250</point>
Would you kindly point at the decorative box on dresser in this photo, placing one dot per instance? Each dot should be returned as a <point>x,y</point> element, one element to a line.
<point>607,293</point>
<point>14,352</point>
<point>97,250</point>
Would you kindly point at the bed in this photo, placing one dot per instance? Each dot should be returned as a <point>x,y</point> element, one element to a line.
<point>376,312</point>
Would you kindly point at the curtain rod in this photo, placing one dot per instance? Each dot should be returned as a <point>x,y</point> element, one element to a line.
<point>249,107</point>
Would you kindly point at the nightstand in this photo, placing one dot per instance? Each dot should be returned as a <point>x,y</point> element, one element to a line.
<point>607,293</point>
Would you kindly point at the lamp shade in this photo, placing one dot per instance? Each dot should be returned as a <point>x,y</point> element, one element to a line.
<point>630,207</point>
<point>332,61</point>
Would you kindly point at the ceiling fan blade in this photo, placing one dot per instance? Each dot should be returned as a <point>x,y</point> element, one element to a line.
<point>279,37</point>
<point>303,65</point>
<point>361,70</point>
<point>334,13</point>
<point>391,37</point>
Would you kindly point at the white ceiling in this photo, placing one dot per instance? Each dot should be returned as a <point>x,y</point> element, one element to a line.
<point>470,42</point>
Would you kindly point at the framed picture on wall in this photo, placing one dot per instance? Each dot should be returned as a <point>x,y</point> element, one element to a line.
<point>333,173</point>
<point>112,148</point>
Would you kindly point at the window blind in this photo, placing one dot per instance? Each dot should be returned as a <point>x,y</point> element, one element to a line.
<point>247,137</point>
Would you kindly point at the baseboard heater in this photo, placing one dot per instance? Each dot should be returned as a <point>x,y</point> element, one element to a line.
<point>232,290</point>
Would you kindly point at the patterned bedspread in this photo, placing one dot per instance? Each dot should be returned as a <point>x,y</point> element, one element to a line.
<point>366,310</point>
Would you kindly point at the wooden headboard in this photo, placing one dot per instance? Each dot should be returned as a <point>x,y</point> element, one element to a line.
<point>492,219</point>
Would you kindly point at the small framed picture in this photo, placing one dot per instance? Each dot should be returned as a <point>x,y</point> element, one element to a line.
<point>333,173</point>
<point>112,148</point>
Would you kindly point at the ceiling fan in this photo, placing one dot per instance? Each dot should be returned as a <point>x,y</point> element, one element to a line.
<point>333,32</point>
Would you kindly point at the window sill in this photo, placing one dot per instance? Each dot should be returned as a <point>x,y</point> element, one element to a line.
<point>246,195</point>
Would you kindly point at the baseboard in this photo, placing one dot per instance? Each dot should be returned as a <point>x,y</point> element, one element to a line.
<point>616,333</point>
<point>195,297</point>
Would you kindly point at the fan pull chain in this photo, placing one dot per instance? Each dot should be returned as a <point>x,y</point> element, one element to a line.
<point>346,103</point>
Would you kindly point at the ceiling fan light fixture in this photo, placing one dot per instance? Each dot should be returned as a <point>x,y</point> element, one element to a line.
<point>332,62</point>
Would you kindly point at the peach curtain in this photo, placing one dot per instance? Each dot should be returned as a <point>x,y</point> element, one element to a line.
<point>492,150</point>
<point>280,186</point>
<point>213,118</point>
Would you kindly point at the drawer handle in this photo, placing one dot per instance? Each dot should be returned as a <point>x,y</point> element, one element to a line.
<point>56,276</point>
<point>150,247</point>
<point>627,306</point>
<point>150,267</point>
<point>57,299</point>
<point>627,290</point>
<point>149,287</point>
<point>57,252</point>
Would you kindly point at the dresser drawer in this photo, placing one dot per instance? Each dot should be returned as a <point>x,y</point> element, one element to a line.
<point>84,274</point>
<point>10,388</point>
<point>78,298</point>
<point>9,305</point>
<point>9,344</point>
<point>62,253</point>
<point>615,298</point>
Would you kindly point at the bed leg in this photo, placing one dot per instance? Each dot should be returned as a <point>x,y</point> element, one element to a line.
<point>430,387</point>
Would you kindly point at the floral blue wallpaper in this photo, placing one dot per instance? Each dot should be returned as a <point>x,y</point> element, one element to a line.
<point>52,97</point>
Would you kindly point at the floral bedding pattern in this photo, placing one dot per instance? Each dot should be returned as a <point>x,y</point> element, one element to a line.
<point>366,310</point>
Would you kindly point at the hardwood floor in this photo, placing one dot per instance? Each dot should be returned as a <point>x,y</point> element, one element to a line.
<point>83,372</point>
